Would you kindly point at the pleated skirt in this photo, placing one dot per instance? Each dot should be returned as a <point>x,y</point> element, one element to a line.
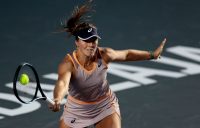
<point>80,114</point>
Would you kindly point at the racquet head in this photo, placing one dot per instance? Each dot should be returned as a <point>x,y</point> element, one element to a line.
<point>26,91</point>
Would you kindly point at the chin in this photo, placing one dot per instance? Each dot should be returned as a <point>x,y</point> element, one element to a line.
<point>90,54</point>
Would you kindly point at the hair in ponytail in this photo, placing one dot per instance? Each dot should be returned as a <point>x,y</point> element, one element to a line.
<point>78,19</point>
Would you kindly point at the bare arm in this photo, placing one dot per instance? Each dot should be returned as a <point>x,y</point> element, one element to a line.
<point>110,55</point>
<point>64,74</point>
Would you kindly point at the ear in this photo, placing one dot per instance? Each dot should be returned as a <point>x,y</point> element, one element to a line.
<point>77,43</point>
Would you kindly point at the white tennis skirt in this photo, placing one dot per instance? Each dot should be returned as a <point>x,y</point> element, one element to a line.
<point>79,114</point>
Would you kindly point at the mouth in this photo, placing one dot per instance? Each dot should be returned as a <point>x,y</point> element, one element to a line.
<point>91,50</point>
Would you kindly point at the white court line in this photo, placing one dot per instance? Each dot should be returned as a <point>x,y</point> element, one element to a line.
<point>52,76</point>
<point>123,86</point>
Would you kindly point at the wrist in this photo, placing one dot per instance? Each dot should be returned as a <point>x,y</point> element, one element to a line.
<point>57,100</point>
<point>151,55</point>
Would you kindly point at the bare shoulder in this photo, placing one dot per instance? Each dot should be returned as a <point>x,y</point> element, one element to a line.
<point>105,50</point>
<point>106,53</point>
<point>112,55</point>
<point>66,65</point>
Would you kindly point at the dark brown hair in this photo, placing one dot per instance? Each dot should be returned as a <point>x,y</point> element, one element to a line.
<point>79,20</point>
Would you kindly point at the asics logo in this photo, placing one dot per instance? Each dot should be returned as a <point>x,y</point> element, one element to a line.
<point>89,30</point>
<point>72,121</point>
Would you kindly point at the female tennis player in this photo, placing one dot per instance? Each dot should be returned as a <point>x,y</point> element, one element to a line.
<point>82,74</point>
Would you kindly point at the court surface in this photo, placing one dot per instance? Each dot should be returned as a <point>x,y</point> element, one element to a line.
<point>152,94</point>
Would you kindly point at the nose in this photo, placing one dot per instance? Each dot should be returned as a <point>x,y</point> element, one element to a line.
<point>91,44</point>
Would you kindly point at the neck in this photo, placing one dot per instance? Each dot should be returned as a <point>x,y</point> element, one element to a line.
<point>84,60</point>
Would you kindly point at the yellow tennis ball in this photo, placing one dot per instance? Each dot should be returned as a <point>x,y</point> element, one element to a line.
<point>24,79</point>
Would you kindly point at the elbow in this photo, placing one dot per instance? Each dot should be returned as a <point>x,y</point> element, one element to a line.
<point>129,56</point>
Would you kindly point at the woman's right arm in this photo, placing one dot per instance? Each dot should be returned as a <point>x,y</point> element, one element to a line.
<point>65,69</point>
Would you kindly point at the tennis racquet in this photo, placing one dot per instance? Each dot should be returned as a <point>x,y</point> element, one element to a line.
<point>29,92</point>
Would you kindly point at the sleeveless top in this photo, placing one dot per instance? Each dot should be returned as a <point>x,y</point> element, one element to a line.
<point>86,85</point>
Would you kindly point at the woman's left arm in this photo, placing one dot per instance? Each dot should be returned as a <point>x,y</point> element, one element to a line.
<point>110,55</point>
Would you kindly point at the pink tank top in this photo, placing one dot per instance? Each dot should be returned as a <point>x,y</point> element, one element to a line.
<point>86,85</point>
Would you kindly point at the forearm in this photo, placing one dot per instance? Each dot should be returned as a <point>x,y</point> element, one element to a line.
<point>126,55</point>
<point>60,90</point>
<point>137,55</point>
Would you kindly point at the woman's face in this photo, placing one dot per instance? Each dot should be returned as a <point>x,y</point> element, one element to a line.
<point>87,47</point>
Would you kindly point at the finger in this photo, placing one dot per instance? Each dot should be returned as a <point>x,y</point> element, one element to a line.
<point>162,44</point>
<point>50,106</point>
<point>56,107</point>
<point>164,41</point>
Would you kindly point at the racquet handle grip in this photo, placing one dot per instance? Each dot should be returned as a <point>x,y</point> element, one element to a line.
<point>50,101</point>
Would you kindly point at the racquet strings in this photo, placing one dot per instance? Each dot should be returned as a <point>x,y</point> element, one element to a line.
<point>27,92</point>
